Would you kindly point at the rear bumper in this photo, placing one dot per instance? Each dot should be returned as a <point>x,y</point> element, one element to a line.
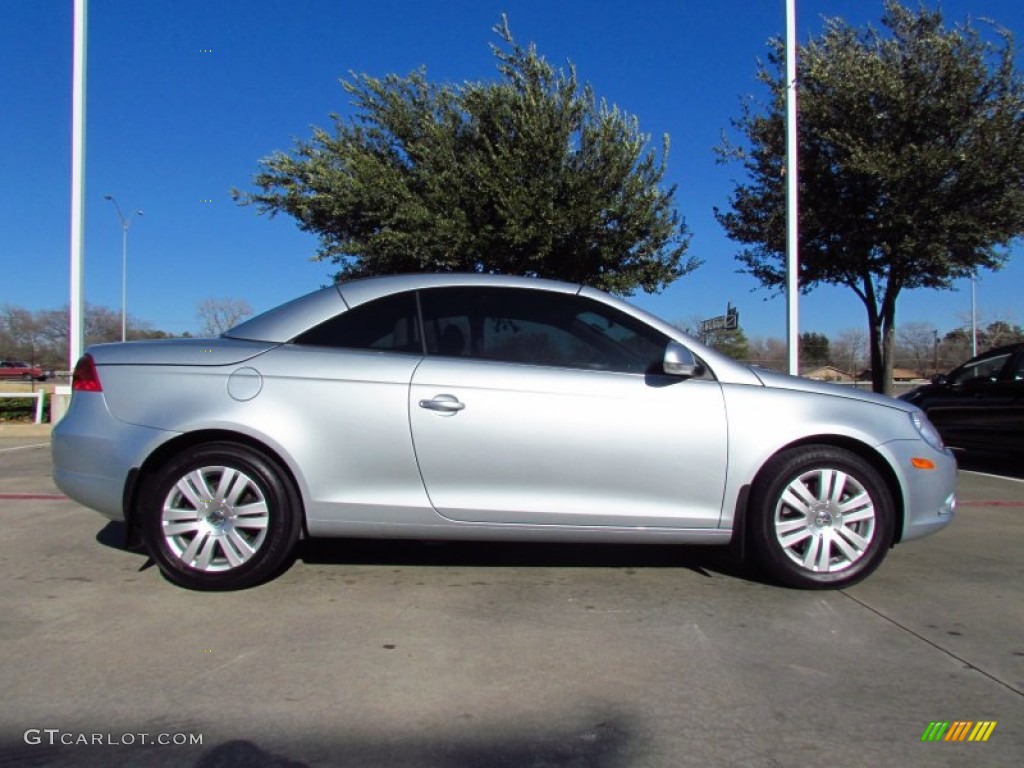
<point>93,453</point>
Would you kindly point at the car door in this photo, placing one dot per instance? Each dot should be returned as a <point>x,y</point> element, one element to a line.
<point>974,408</point>
<point>1008,430</point>
<point>539,407</point>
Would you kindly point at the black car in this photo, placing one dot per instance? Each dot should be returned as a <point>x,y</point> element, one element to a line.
<point>979,406</point>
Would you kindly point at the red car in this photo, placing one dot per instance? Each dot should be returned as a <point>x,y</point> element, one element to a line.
<point>16,369</point>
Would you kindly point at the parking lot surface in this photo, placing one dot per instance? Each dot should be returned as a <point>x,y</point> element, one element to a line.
<point>402,654</point>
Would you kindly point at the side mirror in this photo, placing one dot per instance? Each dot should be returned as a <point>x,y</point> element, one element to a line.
<point>679,361</point>
<point>939,379</point>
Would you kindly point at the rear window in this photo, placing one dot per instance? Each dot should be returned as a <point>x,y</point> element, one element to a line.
<point>387,324</point>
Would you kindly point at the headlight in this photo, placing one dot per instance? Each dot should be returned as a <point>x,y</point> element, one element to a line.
<point>926,430</point>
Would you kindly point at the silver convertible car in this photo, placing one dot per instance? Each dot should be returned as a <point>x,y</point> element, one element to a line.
<point>489,408</point>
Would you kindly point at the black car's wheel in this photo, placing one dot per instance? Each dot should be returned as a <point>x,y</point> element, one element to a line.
<point>219,516</point>
<point>820,518</point>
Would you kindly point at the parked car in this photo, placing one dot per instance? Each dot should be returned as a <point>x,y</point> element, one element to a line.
<point>979,406</point>
<point>488,408</point>
<point>17,369</point>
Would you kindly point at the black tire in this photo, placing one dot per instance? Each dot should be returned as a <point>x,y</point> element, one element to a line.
<point>219,516</point>
<point>820,517</point>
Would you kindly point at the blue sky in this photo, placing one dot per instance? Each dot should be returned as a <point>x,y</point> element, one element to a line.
<point>185,97</point>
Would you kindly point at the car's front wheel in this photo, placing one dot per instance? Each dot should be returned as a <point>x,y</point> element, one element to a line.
<point>820,517</point>
<point>219,516</point>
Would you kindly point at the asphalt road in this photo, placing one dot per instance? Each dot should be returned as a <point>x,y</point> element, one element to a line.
<point>402,654</point>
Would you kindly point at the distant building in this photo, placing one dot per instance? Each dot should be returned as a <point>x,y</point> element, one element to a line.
<point>898,374</point>
<point>829,373</point>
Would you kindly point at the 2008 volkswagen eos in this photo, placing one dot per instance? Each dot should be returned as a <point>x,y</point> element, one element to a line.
<point>491,408</point>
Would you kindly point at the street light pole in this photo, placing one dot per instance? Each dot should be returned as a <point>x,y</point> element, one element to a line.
<point>792,196</point>
<point>125,224</point>
<point>974,317</point>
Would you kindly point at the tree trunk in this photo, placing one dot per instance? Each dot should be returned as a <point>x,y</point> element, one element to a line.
<point>875,347</point>
<point>888,326</point>
<point>881,332</point>
<point>877,367</point>
<point>888,356</point>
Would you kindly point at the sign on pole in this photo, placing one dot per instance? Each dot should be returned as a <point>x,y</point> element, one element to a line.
<point>730,321</point>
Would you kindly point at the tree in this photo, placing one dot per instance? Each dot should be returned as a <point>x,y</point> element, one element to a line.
<point>529,175</point>
<point>41,337</point>
<point>814,349</point>
<point>911,158</point>
<point>732,343</point>
<point>768,352</point>
<point>218,315</point>
<point>19,334</point>
<point>917,347</point>
<point>848,350</point>
<point>956,347</point>
<point>1000,332</point>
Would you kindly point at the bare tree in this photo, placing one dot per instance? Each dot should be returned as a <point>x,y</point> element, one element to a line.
<point>917,347</point>
<point>219,315</point>
<point>768,353</point>
<point>19,333</point>
<point>848,350</point>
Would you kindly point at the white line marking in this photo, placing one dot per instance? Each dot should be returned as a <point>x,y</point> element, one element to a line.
<point>23,447</point>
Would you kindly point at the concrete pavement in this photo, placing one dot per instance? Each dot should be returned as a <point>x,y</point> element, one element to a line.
<point>399,654</point>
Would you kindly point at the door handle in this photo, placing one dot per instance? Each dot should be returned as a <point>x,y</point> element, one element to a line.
<point>443,404</point>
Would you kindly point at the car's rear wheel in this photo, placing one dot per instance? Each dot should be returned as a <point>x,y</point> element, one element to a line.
<point>820,518</point>
<point>219,516</point>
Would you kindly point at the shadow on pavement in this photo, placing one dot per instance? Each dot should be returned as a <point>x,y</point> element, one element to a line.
<point>601,745</point>
<point>579,739</point>
<point>703,560</point>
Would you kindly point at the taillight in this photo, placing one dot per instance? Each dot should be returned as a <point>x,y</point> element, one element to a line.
<point>85,378</point>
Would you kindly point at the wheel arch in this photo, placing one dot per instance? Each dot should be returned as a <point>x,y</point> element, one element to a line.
<point>188,440</point>
<point>863,450</point>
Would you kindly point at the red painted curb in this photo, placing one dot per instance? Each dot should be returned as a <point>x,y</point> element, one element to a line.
<point>991,504</point>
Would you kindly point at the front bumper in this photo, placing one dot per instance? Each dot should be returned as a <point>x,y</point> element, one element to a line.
<point>929,495</point>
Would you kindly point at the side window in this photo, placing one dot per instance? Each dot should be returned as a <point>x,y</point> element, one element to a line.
<point>537,327</point>
<point>984,371</point>
<point>387,324</point>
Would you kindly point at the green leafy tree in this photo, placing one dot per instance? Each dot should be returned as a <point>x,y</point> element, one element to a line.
<point>911,158</point>
<point>814,349</point>
<point>732,343</point>
<point>529,175</point>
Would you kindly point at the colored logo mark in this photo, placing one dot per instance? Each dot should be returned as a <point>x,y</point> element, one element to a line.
<point>959,730</point>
